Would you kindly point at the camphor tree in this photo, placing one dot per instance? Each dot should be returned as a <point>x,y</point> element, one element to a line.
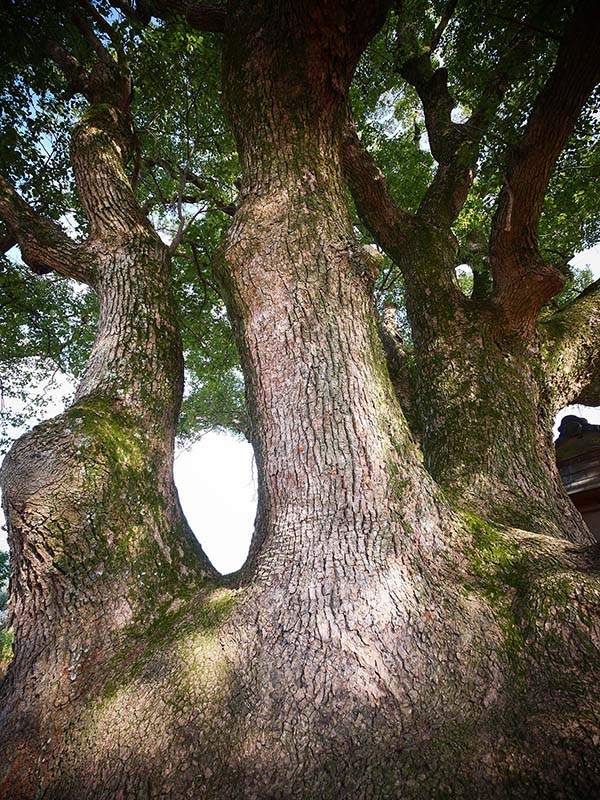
<point>380,641</point>
<point>492,369</point>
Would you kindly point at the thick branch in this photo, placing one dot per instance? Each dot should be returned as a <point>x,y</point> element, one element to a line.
<point>523,281</point>
<point>387,222</point>
<point>572,350</point>
<point>44,245</point>
<point>455,146</point>
<point>105,83</point>
<point>432,87</point>
<point>104,26</point>
<point>71,68</point>
<point>102,143</point>
<point>445,18</point>
<point>89,35</point>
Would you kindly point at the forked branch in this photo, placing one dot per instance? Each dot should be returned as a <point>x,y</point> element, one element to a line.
<point>388,223</point>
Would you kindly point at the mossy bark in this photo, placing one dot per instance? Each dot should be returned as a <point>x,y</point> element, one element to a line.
<point>483,398</point>
<point>487,388</point>
<point>378,644</point>
<point>97,538</point>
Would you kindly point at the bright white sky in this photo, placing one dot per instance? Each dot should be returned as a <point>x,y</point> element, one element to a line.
<point>217,481</point>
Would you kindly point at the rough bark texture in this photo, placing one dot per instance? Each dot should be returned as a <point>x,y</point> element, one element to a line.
<point>484,417</point>
<point>98,542</point>
<point>398,361</point>
<point>523,280</point>
<point>378,644</point>
<point>487,390</point>
<point>571,351</point>
<point>487,425</point>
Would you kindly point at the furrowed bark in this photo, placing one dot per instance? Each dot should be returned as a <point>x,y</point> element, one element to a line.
<point>478,386</point>
<point>325,631</point>
<point>381,645</point>
<point>486,424</point>
<point>397,360</point>
<point>571,350</point>
<point>98,541</point>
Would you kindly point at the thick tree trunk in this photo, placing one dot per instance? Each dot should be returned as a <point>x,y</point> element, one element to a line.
<point>368,635</point>
<point>98,541</point>
<point>486,396</point>
<point>484,412</point>
<point>378,645</point>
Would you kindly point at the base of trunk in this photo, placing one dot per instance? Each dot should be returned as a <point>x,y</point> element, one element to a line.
<point>471,678</point>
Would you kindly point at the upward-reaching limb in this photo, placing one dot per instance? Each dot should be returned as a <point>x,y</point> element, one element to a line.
<point>523,280</point>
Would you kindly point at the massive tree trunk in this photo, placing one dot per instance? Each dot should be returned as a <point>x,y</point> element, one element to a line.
<point>485,415</point>
<point>378,644</point>
<point>483,403</point>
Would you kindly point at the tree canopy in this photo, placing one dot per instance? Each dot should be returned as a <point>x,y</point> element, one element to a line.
<point>186,171</point>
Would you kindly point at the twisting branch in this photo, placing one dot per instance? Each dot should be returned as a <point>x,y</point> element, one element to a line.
<point>455,146</point>
<point>523,281</point>
<point>396,230</point>
<point>90,37</point>
<point>106,82</point>
<point>447,15</point>
<point>44,245</point>
<point>104,138</point>
<point>102,23</point>
<point>207,191</point>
